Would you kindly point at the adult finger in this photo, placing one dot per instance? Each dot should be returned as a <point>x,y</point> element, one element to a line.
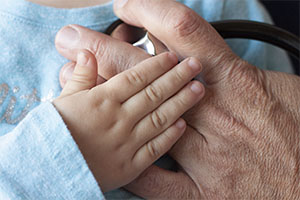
<point>182,30</point>
<point>127,33</point>
<point>113,56</point>
<point>158,183</point>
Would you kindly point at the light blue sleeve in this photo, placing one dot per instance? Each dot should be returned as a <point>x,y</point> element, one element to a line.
<point>40,160</point>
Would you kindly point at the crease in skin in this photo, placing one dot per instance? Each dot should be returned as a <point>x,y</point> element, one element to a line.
<point>195,129</point>
<point>201,192</point>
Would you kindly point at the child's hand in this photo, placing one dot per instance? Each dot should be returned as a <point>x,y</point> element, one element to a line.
<point>123,125</point>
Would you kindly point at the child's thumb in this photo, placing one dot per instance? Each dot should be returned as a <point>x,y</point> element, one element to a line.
<point>85,74</point>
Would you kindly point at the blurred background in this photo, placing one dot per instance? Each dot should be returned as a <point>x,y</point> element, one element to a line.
<point>285,14</point>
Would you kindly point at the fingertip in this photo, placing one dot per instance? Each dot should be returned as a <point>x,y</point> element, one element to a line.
<point>67,37</point>
<point>181,127</point>
<point>84,75</point>
<point>82,58</point>
<point>85,58</point>
<point>195,64</point>
<point>120,11</point>
<point>173,57</point>
<point>86,64</point>
<point>180,124</point>
<point>169,59</point>
<point>197,88</point>
<point>65,73</point>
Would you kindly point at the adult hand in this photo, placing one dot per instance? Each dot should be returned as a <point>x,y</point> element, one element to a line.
<point>228,148</point>
<point>243,138</point>
<point>111,54</point>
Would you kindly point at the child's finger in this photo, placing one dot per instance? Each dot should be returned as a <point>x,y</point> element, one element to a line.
<point>84,75</point>
<point>167,113</point>
<point>124,85</point>
<point>66,74</point>
<point>162,88</point>
<point>158,146</point>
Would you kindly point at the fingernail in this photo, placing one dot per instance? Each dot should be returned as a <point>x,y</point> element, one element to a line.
<point>67,74</point>
<point>196,88</point>
<point>67,37</point>
<point>180,124</point>
<point>82,59</point>
<point>194,64</point>
<point>172,56</point>
<point>120,3</point>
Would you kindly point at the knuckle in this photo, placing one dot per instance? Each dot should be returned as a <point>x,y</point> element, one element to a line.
<point>82,79</point>
<point>153,149</point>
<point>180,75</point>
<point>158,119</point>
<point>133,77</point>
<point>105,56</point>
<point>184,23</point>
<point>98,47</point>
<point>239,74</point>
<point>154,94</point>
<point>255,82</point>
<point>183,101</point>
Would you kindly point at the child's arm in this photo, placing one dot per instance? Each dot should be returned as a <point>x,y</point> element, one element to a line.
<point>40,160</point>
<point>125,124</point>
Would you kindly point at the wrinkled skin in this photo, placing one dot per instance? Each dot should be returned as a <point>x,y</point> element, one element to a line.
<point>242,140</point>
<point>243,143</point>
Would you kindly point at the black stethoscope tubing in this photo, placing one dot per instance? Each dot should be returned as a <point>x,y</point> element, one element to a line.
<point>259,31</point>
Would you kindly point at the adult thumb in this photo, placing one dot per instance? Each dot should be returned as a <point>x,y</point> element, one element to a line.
<point>158,183</point>
<point>85,74</point>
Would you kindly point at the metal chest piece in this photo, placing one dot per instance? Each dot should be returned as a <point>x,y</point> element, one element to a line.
<point>146,44</point>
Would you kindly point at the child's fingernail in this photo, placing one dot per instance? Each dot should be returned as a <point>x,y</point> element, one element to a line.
<point>82,58</point>
<point>67,37</point>
<point>120,3</point>
<point>172,56</point>
<point>196,88</point>
<point>194,64</point>
<point>180,124</point>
